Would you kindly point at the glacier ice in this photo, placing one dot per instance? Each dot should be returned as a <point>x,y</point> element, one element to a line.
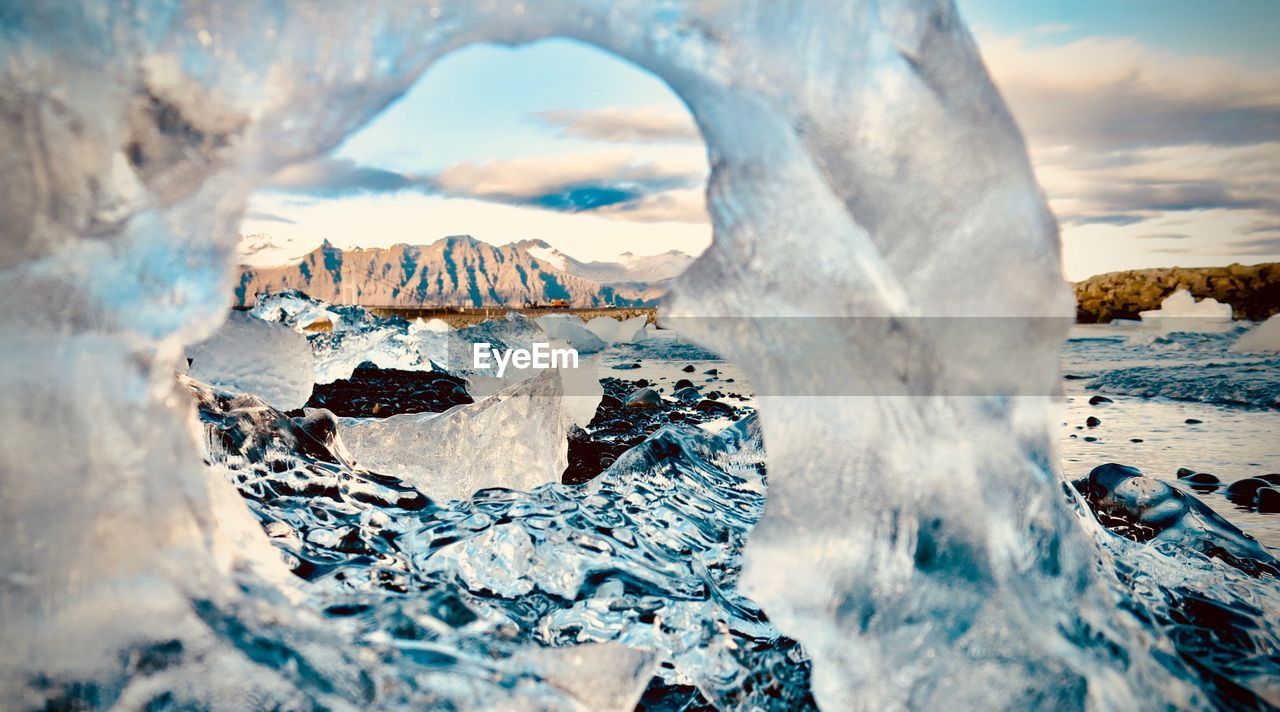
<point>570,330</point>
<point>254,356</point>
<point>618,331</point>
<point>918,545</point>
<point>516,438</point>
<point>1182,312</point>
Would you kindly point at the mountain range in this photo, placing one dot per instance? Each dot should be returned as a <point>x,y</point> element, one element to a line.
<point>462,271</point>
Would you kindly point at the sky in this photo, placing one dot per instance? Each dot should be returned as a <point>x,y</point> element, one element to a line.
<point>1153,126</point>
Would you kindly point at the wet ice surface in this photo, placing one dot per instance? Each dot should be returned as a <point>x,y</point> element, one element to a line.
<point>646,554</point>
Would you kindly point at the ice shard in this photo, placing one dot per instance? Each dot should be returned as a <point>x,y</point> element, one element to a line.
<point>516,438</point>
<point>254,356</point>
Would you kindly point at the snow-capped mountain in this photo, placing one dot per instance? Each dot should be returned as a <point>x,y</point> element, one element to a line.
<point>631,267</point>
<point>459,271</point>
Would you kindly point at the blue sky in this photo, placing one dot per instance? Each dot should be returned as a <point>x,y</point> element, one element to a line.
<point>1154,128</point>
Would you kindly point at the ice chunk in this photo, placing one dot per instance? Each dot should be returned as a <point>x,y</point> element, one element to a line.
<point>601,676</point>
<point>614,331</point>
<point>1264,337</point>
<point>516,438</point>
<point>435,326</point>
<point>569,329</point>
<point>299,312</point>
<point>1181,312</point>
<point>253,356</point>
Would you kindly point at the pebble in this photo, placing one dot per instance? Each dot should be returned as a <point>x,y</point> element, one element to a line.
<point>643,398</point>
<point>1246,489</point>
<point>1098,400</point>
<point>1268,500</point>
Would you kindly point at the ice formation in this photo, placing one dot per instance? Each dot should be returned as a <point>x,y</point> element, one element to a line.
<point>1262,338</point>
<point>570,330</point>
<point>919,547</point>
<point>1183,312</point>
<point>516,438</point>
<point>618,331</point>
<point>253,356</point>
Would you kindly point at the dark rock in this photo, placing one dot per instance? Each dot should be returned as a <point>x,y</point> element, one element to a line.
<point>608,402</point>
<point>643,398</point>
<point>1092,422</point>
<point>688,395</point>
<point>626,366</point>
<point>1090,439</point>
<point>713,395</point>
<point>1135,440</point>
<point>1273,479</point>
<point>714,406</point>
<point>373,392</point>
<point>1193,421</point>
<point>689,369</point>
<point>711,372</point>
<point>1201,481</point>
<point>683,383</point>
<point>1099,400</point>
<point>1184,472</point>
<point>1202,478</point>
<point>1244,491</point>
<point>616,428</point>
<point>1267,500</point>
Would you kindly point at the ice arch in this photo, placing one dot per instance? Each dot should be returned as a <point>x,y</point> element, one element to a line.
<point>916,543</point>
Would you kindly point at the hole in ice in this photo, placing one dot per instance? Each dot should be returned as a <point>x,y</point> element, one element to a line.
<point>561,172</point>
<point>504,179</point>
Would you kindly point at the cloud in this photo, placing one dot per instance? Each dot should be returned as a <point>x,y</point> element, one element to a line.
<point>267,217</point>
<point>1121,134</point>
<point>1259,246</point>
<point>623,125</point>
<point>1260,227</point>
<point>688,206</point>
<point>617,181</point>
<point>1164,236</point>
<point>340,177</point>
<point>253,244</point>
<point>1114,93</point>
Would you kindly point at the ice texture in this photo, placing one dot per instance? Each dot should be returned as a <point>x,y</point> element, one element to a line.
<point>254,356</point>
<point>516,438</point>
<point>919,547</point>
<point>1264,337</point>
<point>549,584</point>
